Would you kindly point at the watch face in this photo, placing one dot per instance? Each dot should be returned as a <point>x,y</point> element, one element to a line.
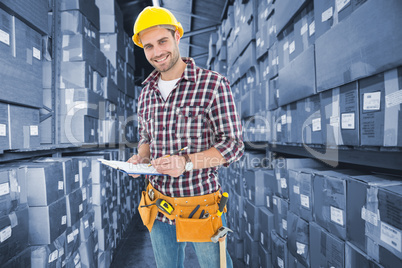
<point>189,166</point>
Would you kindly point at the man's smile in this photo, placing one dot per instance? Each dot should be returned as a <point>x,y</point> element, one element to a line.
<point>161,60</point>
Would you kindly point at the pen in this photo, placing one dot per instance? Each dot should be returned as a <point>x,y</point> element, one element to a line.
<point>173,153</point>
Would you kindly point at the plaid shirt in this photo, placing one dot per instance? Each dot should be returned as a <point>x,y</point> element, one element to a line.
<point>199,113</point>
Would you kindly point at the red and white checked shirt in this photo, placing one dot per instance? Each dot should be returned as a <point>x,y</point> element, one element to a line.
<point>199,113</point>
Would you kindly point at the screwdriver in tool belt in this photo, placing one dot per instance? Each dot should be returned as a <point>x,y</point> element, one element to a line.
<point>175,153</point>
<point>222,203</point>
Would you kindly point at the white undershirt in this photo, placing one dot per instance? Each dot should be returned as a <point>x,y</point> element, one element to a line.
<point>165,87</point>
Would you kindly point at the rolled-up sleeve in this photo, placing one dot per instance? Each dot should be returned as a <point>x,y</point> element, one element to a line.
<point>144,137</point>
<point>226,125</point>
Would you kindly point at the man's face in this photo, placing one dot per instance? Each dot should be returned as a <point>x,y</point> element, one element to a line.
<point>160,47</point>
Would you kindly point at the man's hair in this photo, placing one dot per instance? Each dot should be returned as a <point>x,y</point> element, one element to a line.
<point>168,27</point>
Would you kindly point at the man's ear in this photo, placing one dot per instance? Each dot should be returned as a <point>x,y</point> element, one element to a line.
<point>177,36</point>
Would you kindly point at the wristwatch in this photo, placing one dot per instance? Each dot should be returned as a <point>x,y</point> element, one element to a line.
<point>189,165</point>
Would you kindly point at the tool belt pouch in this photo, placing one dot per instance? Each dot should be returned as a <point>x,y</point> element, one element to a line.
<point>148,214</point>
<point>197,230</point>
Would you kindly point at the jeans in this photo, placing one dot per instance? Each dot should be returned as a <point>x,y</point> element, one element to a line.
<point>170,254</point>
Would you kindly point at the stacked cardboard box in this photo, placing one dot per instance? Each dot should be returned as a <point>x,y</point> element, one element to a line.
<point>21,88</point>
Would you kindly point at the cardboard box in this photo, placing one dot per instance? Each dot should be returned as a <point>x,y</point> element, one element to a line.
<point>247,60</point>
<point>22,259</point>
<point>51,255</point>
<point>23,127</point>
<point>329,13</point>
<point>112,91</point>
<point>282,167</point>
<point>273,91</point>
<point>251,216</point>
<point>21,58</point>
<point>362,31</point>
<point>89,251</point>
<point>255,186</point>
<point>293,262</point>
<point>383,229</point>
<point>325,248</point>
<point>265,257</point>
<point>47,223</point>
<point>298,238</point>
<point>12,190</point>
<point>14,231</point>
<point>75,207</point>
<point>129,48</point>
<point>270,188</point>
<point>304,27</point>
<point>81,101</point>
<point>73,240</point>
<point>279,251</point>
<point>76,74</point>
<point>99,194</point>
<point>70,172</point>
<point>250,251</point>
<point>33,13</point>
<point>310,120</point>
<point>273,60</point>
<point>111,44</point>
<point>301,192</point>
<point>380,109</point>
<point>4,127</point>
<point>281,207</point>
<point>297,79</point>
<point>266,223</point>
<point>87,226</point>
<point>130,80</point>
<point>285,11</point>
<point>74,22</point>
<point>101,216</point>
<point>87,8</point>
<point>247,24</point>
<point>265,10</point>
<point>45,183</point>
<point>360,192</point>
<point>291,125</point>
<point>355,257</point>
<point>232,49</point>
<point>77,48</point>
<point>84,168</point>
<point>112,16</point>
<point>276,126</point>
<point>286,46</point>
<point>340,115</point>
<point>78,128</point>
<point>262,41</point>
<point>330,206</point>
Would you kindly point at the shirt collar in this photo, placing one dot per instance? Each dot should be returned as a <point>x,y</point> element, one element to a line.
<point>189,73</point>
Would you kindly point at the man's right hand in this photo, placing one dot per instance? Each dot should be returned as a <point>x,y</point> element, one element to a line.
<point>137,159</point>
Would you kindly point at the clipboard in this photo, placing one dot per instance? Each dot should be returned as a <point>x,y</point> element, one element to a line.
<point>139,169</point>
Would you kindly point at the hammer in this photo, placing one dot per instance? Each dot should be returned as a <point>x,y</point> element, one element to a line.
<point>220,236</point>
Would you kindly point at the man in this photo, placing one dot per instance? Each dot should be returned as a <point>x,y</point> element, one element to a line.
<point>182,106</point>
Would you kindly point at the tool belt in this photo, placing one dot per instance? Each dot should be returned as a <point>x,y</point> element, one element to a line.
<point>194,229</point>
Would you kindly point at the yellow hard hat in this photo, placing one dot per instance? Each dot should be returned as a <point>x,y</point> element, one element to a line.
<point>153,16</point>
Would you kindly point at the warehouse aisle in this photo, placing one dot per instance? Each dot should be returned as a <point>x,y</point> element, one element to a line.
<point>135,249</point>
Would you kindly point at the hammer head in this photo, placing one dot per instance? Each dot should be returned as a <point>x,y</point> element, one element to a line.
<point>220,233</point>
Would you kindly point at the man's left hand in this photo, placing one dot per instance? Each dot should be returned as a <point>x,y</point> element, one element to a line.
<point>172,165</point>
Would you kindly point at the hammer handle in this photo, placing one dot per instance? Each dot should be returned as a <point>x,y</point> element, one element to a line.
<point>222,252</point>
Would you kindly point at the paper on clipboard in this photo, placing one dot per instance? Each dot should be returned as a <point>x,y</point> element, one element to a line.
<point>142,169</point>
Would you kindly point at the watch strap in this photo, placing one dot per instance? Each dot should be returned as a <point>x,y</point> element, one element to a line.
<point>188,160</point>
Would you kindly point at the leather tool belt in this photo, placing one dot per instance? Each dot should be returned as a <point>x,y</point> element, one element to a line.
<point>194,229</point>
